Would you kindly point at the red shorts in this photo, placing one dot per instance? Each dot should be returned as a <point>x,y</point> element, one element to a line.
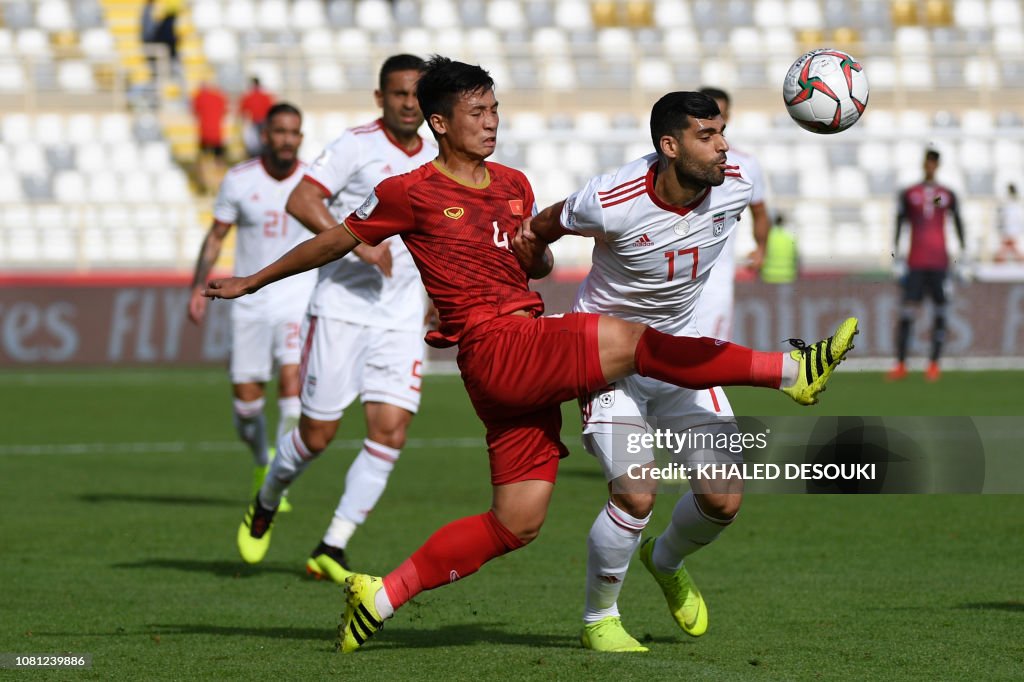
<point>518,371</point>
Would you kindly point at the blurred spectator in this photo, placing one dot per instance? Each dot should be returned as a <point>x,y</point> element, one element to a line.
<point>253,109</point>
<point>209,105</point>
<point>1011,226</point>
<point>158,27</point>
<point>781,263</point>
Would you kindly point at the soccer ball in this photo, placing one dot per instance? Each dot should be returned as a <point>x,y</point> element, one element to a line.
<point>825,91</point>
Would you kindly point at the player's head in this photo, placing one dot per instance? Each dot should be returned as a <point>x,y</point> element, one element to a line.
<point>688,133</point>
<point>254,83</point>
<point>396,94</point>
<point>721,97</point>
<point>1011,189</point>
<point>282,135</point>
<point>459,105</point>
<point>931,163</point>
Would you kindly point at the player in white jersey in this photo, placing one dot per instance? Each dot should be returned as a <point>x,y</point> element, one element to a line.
<point>659,224</point>
<point>715,307</point>
<point>363,335</point>
<point>265,329</point>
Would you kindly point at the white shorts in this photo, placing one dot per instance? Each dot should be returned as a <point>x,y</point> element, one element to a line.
<point>637,405</point>
<point>343,360</point>
<point>257,344</point>
<point>714,307</point>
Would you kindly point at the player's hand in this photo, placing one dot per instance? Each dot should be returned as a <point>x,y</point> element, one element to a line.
<point>755,259</point>
<point>230,287</point>
<point>430,318</point>
<point>528,247</point>
<point>379,256</point>
<point>197,303</point>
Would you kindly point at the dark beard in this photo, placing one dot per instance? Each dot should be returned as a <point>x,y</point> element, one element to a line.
<point>691,174</point>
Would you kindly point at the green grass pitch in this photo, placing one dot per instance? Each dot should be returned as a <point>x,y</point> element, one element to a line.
<point>122,492</point>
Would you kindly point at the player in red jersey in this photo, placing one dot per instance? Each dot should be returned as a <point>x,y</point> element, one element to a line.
<point>925,206</point>
<point>458,215</point>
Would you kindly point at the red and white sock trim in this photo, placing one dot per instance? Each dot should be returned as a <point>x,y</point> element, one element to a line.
<point>624,520</point>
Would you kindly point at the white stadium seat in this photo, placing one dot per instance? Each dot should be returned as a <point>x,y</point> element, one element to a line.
<point>97,43</point>
<point>54,15</point>
<point>207,15</point>
<point>272,15</point>
<point>308,14</point>
<point>220,45</point>
<point>573,15</point>
<point>115,127</point>
<point>505,15</point>
<point>374,15</point>
<point>81,128</point>
<point>326,76</point>
<point>75,76</point>
<point>439,14</point>
<point>318,42</point>
<point>240,15</point>
<point>103,187</point>
<point>672,13</point>
<point>69,187</point>
<point>10,188</point>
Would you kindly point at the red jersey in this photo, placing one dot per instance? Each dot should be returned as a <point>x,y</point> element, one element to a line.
<point>209,106</point>
<point>459,235</point>
<point>925,206</point>
<point>256,104</point>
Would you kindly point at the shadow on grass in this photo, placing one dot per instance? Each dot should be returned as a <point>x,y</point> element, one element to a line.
<point>223,569</point>
<point>466,634</point>
<point>177,500</point>
<point>325,634</point>
<point>1015,606</point>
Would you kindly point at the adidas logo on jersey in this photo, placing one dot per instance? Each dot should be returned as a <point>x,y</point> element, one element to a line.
<point>643,240</point>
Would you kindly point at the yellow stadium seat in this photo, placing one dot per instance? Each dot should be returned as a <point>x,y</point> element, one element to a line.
<point>904,13</point>
<point>605,13</point>
<point>939,12</point>
<point>845,37</point>
<point>640,13</point>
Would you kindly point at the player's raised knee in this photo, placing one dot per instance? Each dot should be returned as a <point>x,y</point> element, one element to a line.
<point>637,505</point>
<point>722,506</point>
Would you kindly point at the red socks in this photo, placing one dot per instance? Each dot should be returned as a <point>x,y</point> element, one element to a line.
<point>699,363</point>
<point>453,552</point>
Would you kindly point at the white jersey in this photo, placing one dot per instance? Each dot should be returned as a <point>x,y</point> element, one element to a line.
<point>651,259</point>
<point>349,289</point>
<point>252,199</point>
<point>1011,219</point>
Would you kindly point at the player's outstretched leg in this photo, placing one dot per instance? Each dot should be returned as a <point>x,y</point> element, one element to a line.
<point>818,360</point>
<point>608,635</point>
<point>684,600</point>
<point>361,620</point>
<point>328,563</point>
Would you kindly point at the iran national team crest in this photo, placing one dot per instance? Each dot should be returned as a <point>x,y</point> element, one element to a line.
<point>717,223</point>
<point>682,228</point>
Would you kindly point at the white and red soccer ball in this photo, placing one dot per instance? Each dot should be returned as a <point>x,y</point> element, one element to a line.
<point>825,91</point>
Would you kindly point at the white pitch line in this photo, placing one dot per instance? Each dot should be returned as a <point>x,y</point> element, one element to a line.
<point>170,447</point>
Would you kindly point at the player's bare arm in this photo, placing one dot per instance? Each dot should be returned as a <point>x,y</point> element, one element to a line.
<point>320,250</point>
<point>306,204</point>
<point>761,227</point>
<point>208,255</point>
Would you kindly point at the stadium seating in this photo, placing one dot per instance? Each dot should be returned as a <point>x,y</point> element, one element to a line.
<point>575,77</point>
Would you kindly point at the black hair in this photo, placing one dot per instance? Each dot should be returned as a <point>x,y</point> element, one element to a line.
<point>671,114</point>
<point>931,155</point>
<point>398,62</point>
<point>255,81</point>
<point>716,94</point>
<point>281,108</point>
<point>442,82</point>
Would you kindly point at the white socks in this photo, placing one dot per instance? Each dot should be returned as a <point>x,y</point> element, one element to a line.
<point>252,428</point>
<point>689,530</point>
<point>383,605</point>
<point>790,370</point>
<point>613,538</point>
<point>293,456</point>
<point>288,412</point>
<point>364,484</point>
